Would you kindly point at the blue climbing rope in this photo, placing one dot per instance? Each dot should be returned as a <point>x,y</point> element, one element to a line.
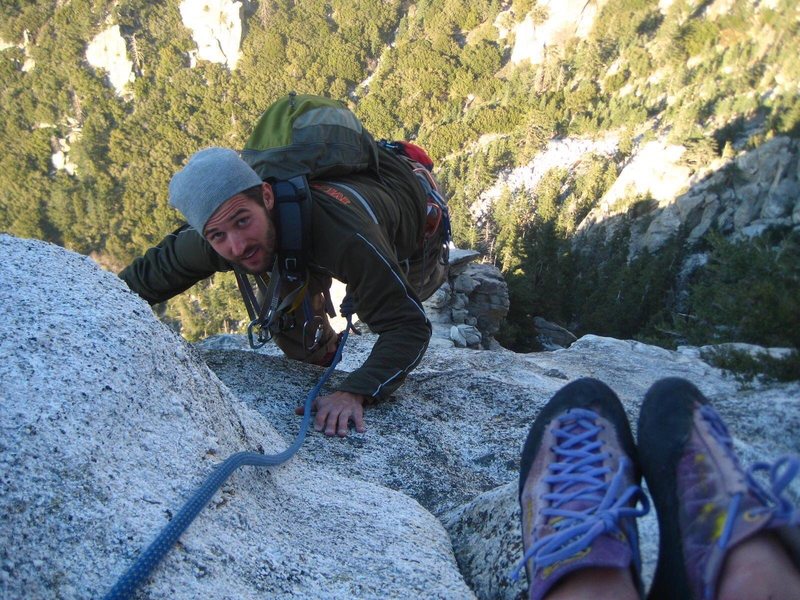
<point>140,571</point>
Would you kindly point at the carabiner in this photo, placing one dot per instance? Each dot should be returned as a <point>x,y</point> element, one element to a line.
<point>316,319</point>
<point>264,334</point>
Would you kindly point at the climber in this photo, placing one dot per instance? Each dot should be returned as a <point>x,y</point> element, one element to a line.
<point>366,230</point>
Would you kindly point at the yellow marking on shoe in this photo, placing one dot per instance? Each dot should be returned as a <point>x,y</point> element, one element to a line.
<point>546,572</point>
<point>708,510</point>
<point>719,525</point>
<point>529,512</point>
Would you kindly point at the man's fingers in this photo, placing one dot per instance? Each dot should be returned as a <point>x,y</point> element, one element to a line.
<point>330,426</point>
<point>356,415</point>
<point>344,423</point>
<point>358,419</point>
<point>321,419</point>
<point>334,413</point>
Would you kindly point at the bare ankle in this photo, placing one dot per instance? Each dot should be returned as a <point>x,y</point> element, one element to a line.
<point>595,584</point>
<point>759,569</point>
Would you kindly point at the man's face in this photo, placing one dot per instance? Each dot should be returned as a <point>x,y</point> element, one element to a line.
<point>242,232</point>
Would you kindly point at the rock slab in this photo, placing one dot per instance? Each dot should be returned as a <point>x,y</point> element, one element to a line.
<point>109,422</point>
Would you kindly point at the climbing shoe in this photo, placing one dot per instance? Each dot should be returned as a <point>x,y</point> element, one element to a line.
<point>578,488</point>
<point>706,502</point>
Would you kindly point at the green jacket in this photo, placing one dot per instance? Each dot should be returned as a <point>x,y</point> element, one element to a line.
<point>346,244</point>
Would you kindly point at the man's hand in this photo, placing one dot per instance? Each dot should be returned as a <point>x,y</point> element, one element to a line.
<point>335,411</point>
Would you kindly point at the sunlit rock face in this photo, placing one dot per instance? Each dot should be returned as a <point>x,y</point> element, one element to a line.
<point>216,28</point>
<point>558,21</point>
<point>562,152</point>
<point>108,51</point>
<point>655,170</point>
<point>757,190</point>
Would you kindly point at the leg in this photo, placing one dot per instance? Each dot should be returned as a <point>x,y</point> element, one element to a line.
<point>759,568</point>
<point>428,267</point>
<point>711,513</point>
<point>578,492</point>
<point>596,584</point>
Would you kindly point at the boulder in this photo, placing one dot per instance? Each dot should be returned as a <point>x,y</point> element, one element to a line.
<point>745,196</point>
<point>485,532</point>
<point>488,301</point>
<point>710,210</point>
<point>460,258</point>
<point>459,341</point>
<point>465,336</point>
<point>751,199</point>
<point>476,295</point>
<point>110,422</point>
<point>780,200</point>
<point>464,284</point>
<point>451,436</point>
<point>552,336</point>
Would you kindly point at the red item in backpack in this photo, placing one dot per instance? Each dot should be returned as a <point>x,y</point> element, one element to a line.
<point>417,154</point>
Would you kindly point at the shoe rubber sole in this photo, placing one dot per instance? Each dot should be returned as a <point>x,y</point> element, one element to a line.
<point>665,425</point>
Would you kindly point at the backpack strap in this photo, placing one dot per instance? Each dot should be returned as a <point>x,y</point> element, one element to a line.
<point>293,227</point>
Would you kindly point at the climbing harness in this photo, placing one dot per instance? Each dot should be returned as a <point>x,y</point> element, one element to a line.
<point>149,559</point>
<point>271,313</point>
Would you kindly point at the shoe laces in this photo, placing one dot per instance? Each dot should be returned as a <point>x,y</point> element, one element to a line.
<point>577,477</point>
<point>772,497</point>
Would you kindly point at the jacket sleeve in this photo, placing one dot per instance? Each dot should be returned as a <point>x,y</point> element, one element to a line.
<point>385,301</point>
<point>179,261</point>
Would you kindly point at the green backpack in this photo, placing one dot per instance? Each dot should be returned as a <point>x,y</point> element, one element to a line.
<point>309,136</point>
<point>297,138</point>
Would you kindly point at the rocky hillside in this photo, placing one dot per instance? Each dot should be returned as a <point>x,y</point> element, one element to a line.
<point>110,421</point>
<point>643,121</point>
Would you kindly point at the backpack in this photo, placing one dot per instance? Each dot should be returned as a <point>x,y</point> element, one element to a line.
<point>309,136</point>
<point>300,138</point>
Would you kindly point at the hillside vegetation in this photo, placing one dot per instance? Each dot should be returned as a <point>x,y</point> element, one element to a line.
<point>719,78</point>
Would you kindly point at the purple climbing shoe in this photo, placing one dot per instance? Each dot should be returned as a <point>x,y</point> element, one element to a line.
<point>706,502</point>
<point>578,488</point>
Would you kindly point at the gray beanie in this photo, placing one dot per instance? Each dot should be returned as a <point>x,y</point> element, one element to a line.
<point>211,177</point>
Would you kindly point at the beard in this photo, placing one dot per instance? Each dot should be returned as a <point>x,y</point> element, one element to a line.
<point>259,257</point>
<point>259,263</point>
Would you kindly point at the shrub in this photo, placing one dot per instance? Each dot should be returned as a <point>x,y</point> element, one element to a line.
<point>747,367</point>
<point>748,292</point>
